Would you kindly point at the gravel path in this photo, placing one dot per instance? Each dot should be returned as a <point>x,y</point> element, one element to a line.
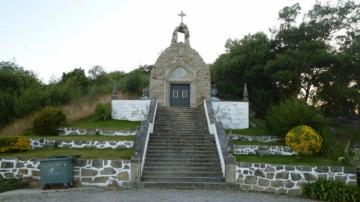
<point>158,195</point>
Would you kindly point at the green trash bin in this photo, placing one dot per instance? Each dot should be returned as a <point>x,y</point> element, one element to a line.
<point>56,170</point>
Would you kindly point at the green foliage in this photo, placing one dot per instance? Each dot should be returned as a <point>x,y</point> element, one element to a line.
<point>103,111</point>
<point>135,81</point>
<point>48,121</point>
<point>333,191</point>
<point>10,184</point>
<point>291,113</point>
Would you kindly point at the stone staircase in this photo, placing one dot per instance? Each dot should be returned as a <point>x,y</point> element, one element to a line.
<point>181,152</point>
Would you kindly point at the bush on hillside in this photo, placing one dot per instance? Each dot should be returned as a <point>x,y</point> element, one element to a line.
<point>14,144</point>
<point>304,140</point>
<point>333,191</point>
<point>48,120</point>
<point>103,112</point>
<point>291,113</point>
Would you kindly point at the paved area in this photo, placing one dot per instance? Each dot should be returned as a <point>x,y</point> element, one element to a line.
<point>158,195</point>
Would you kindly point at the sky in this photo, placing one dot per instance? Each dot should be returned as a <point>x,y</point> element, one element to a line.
<point>50,37</point>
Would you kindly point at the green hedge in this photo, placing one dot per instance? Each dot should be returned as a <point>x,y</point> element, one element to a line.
<point>48,120</point>
<point>333,191</point>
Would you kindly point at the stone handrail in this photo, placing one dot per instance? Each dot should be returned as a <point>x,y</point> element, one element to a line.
<point>216,129</point>
<point>143,135</point>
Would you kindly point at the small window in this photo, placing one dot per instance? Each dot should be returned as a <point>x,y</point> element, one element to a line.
<point>175,94</point>
<point>184,93</point>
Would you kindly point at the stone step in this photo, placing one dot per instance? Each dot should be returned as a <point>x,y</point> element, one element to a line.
<point>180,174</point>
<point>182,169</point>
<point>182,141</point>
<point>182,179</point>
<point>181,156</point>
<point>173,137</point>
<point>181,147</point>
<point>181,135</point>
<point>184,161</point>
<point>181,164</point>
<point>186,152</point>
<point>186,185</point>
<point>174,145</point>
<point>180,131</point>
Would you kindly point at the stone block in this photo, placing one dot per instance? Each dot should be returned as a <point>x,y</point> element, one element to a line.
<point>270,175</point>
<point>9,175</point>
<point>281,191</point>
<point>101,179</point>
<point>257,188</point>
<point>80,163</point>
<point>250,180</point>
<point>116,163</point>
<point>245,187</point>
<point>321,169</point>
<point>303,168</point>
<point>295,176</point>
<point>98,163</point>
<point>289,184</point>
<point>309,177</point>
<point>263,182</point>
<point>269,169</point>
<point>107,171</point>
<point>259,173</point>
<point>289,168</point>
<point>23,171</point>
<point>88,172</point>
<point>282,175</point>
<point>86,179</point>
<point>7,164</point>
<point>340,178</point>
<point>123,176</point>
<point>20,165</point>
<point>270,190</point>
<point>336,169</point>
<point>277,183</point>
<point>35,173</point>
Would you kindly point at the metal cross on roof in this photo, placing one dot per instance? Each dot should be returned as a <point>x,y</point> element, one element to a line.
<point>182,15</point>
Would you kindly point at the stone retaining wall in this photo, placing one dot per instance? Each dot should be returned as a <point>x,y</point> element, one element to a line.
<point>263,150</point>
<point>87,172</point>
<point>105,132</point>
<point>265,138</point>
<point>46,143</point>
<point>286,179</point>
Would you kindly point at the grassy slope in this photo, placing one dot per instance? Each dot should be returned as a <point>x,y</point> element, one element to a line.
<point>91,123</point>
<point>84,153</point>
<point>85,137</point>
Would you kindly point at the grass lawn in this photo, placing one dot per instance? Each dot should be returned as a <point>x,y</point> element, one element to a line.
<point>289,160</point>
<point>10,184</point>
<point>84,153</point>
<point>86,137</point>
<point>92,123</point>
<point>276,143</point>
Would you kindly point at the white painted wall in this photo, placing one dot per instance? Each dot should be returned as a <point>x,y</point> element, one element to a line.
<point>232,114</point>
<point>131,110</point>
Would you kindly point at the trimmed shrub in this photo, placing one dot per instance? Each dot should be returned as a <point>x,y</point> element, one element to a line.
<point>304,140</point>
<point>48,121</point>
<point>14,144</point>
<point>333,191</point>
<point>291,113</point>
<point>103,112</point>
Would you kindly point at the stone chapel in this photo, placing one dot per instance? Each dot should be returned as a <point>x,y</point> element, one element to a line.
<point>180,77</point>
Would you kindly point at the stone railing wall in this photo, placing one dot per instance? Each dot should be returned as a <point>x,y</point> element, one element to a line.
<point>263,150</point>
<point>286,179</point>
<point>46,143</point>
<point>105,132</point>
<point>247,138</point>
<point>215,128</point>
<point>87,172</point>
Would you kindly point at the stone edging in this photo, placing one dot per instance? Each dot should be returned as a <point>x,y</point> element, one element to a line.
<point>287,179</point>
<point>46,143</point>
<point>263,150</point>
<point>262,138</point>
<point>105,132</point>
<point>87,172</point>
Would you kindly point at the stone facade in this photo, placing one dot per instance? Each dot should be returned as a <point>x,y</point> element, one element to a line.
<point>87,172</point>
<point>259,138</point>
<point>263,150</point>
<point>180,64</point>
<point>286,179</point>
<point>42,143</point>
<point>105,132</point>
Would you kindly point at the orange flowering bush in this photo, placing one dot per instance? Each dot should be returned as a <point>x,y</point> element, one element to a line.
<point>11,144</point>
<point>304,140</point>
